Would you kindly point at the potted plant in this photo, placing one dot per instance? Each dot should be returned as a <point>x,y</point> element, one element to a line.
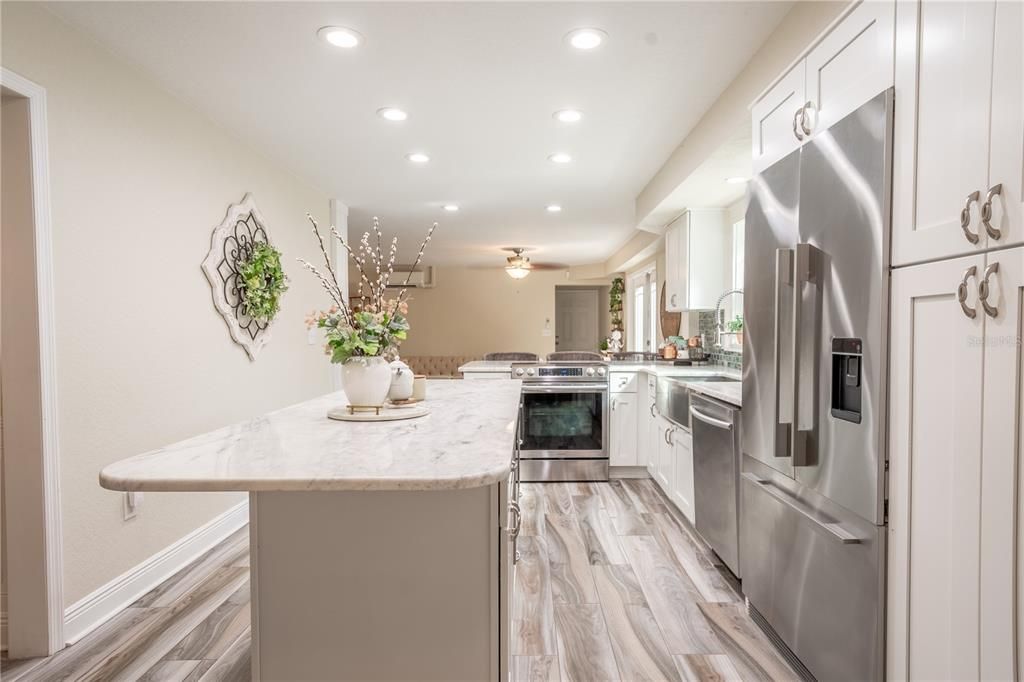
<point>363,336</point>
<point>735,326</point>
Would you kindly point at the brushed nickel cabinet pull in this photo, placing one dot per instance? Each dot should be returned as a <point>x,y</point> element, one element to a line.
<point>803,118</point>
<point>796,123</point>
<point>983,290</point>
<point>965,217</point>
<point>986,212</point>
<point>961,292</point>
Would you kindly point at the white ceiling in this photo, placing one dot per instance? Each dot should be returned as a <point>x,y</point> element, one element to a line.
<point>480,82</point>
<point>706,186</point>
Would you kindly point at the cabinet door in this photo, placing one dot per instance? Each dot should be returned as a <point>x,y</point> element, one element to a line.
<point>666,456</point>
<point>935,472</point>
<point>682,487</point>
<point>852,64</point>
<point>774,119</point>
<point>705,261</point>
<point>1000,499</point>
<point>674,270</point>
<point>1007,140</point>
<point>623,451</point>
<point>943,82</point>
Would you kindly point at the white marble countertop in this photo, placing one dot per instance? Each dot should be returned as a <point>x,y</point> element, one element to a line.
<point>466,442</point>
<point>487,366</point>
<point>670,370</point>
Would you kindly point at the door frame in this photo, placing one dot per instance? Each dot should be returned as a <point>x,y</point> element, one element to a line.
<point>49,557</point>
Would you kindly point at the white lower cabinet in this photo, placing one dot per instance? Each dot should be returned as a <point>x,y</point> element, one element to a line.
<point>648,425</point>
<point>681,491</point>
<point>954,500</point>
<point>623,429</point>
<point>664,471</point>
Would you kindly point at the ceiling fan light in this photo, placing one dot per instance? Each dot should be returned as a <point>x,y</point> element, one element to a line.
<point>517,271</point>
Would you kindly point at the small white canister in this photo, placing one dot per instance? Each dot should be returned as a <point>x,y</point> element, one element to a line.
<point>401,381</point>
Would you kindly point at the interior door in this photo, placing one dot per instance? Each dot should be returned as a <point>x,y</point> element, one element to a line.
<point>1007,139</point>
<point>935,478</point>
<point>576,319</point>
<point>945,58</point>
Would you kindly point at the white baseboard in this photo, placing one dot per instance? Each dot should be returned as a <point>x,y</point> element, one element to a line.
<point>94,609</point>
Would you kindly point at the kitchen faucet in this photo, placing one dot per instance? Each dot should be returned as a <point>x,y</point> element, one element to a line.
<point>719,324</point>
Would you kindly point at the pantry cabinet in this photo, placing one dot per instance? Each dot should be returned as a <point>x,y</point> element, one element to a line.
<point>696,273</point>
<point>958,130</point>
<point>849,65</point>
<point>954,491</point>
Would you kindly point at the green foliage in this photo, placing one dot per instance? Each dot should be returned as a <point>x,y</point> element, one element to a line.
<point>370,334</point>
<point>615,294</point>
<point>262,282</point>
<point>735,324</point>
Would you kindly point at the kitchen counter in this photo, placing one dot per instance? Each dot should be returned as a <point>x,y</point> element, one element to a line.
<point>670,370</point>
<point>486,366</point>
<point>367,538</point>
<point>726,391</point>
<point>466,441</point>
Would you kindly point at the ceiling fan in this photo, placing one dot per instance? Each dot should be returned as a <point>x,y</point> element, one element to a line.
<point>519,266</point>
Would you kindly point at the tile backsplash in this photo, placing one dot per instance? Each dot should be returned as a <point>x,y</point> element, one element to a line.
<point>718,356</point>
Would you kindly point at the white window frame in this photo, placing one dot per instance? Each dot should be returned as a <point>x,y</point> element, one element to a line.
<point>647,281</point>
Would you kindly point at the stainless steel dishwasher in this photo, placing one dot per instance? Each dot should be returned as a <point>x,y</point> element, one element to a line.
<point>716,466</point>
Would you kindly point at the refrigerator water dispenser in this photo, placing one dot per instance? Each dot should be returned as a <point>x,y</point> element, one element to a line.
<point>847,359</point>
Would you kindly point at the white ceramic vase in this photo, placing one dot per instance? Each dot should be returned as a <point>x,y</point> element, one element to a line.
<point>366,380</point>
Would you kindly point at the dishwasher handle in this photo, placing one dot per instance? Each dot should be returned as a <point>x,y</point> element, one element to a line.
<point>708,419</point>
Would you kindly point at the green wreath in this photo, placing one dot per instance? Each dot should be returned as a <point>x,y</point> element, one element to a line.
<point>262,282</point>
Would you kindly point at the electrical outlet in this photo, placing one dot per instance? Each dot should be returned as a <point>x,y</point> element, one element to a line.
<point>130,503</point>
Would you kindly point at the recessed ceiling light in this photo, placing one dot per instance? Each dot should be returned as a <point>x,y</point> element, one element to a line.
<point>418,157</point>
<point>392,114</point>
<point>554,208</point>
<point>737,180</point>
<point>451,208</point>
<point>586,38</point>
<point>340,36</point>
<point>560,157</point>
<point>568,115</point>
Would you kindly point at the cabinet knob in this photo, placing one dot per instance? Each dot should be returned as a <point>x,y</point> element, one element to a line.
<point>965,217</point>
<point>986,212</point>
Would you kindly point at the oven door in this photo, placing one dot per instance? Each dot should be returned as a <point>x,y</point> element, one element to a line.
<point>564,421</point>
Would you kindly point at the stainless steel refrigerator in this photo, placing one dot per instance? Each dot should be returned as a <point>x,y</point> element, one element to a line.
<point>812,532</point>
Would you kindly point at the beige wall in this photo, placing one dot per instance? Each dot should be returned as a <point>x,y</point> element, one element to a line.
<point>475,311</point>
<point>731,111</point>
<point>139,180</point>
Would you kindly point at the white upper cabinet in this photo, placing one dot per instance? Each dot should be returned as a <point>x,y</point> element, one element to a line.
<point>776,119</point>
<point>695,262</point>
<point>958,81</point>
<point>1007,135</point>
<point>852,64</point>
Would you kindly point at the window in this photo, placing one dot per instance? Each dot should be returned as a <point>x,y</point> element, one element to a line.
<point>737,254</point>
<point>642,320</point>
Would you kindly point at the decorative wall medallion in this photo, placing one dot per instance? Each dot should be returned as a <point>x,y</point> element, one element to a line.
<point>231,245</point>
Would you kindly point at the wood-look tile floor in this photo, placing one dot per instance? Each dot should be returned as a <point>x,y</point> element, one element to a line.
<point>611,585</point>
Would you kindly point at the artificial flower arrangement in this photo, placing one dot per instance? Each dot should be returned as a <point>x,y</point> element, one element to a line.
<point>362,337</point>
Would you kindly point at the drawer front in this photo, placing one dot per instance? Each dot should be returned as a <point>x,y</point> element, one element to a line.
<point>623,382</point>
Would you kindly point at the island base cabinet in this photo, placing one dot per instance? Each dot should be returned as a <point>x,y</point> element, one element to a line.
<point>377,585</point>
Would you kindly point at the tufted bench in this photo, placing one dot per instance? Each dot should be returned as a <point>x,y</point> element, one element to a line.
<point>438,366</point>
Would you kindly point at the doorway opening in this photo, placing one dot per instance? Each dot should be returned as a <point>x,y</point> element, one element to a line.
<point>578,318</point>
<point>32,573</point>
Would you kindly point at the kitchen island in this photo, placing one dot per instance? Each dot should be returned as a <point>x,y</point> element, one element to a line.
<point>378,550</point>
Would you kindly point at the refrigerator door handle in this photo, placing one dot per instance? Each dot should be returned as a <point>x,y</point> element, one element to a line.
<point>835,530</point>
<point>783,277</point>
<point>807,268</point>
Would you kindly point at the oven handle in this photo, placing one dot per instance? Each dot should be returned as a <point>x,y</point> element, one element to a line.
<point>565,388</point>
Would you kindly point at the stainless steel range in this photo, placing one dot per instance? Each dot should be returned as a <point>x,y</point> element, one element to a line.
<point>563,424</point>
